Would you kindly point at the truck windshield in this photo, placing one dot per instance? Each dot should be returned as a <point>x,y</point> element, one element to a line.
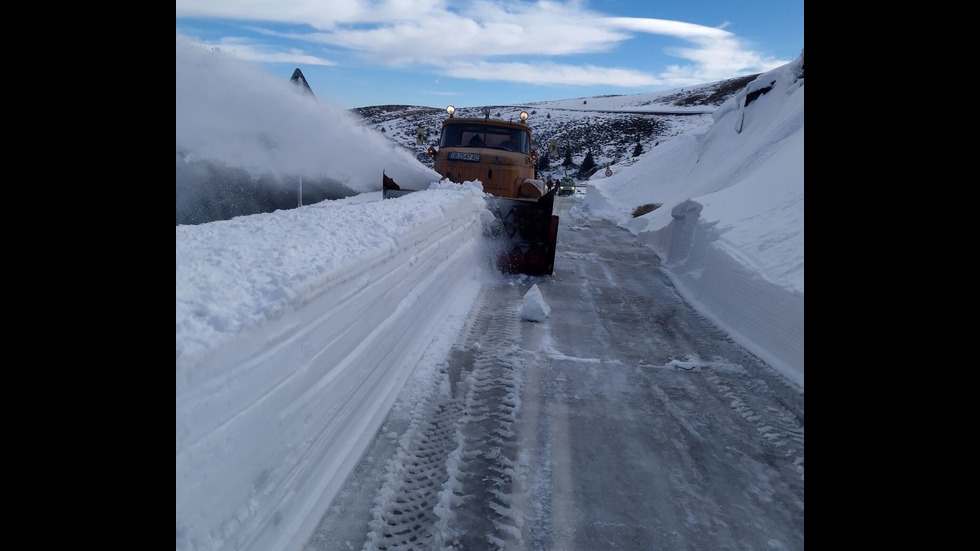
<point>479,135</point>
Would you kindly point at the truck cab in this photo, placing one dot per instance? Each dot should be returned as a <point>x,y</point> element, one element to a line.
<point>497,153</point>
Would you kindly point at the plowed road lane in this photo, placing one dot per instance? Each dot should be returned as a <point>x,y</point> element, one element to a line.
<point>624,421</point>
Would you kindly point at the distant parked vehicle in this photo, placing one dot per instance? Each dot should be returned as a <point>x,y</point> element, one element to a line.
<point>567,186</point>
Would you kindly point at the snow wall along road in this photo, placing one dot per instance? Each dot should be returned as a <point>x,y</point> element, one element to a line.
<point>279,393</point>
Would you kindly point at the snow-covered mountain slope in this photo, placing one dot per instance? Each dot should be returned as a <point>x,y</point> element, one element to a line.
<point>610,127</point>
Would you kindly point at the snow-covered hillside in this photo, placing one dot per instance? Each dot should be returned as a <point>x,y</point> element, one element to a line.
<point>610,127</point>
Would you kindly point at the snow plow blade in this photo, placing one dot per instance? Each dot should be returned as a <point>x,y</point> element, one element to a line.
<point>524,233</point>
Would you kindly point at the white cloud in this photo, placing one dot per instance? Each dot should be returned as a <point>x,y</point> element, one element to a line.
<point>551,74</point>
<point>434,41</point>
<point>316,13</point>
<point>716,60</point>
<point>249,50</point>
<point>464,40</point>
<point>440,93</point>
<point>678,29</point>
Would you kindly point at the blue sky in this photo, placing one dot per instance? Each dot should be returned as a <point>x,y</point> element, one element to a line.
<point>471,53</point>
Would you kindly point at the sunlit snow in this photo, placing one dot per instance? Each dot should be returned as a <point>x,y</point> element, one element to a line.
<point>297,329</point>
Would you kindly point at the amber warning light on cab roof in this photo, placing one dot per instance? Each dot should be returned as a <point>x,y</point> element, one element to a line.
<point>451,110</point>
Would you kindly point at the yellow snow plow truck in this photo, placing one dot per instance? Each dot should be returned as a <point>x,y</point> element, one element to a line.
<point>499,155</point>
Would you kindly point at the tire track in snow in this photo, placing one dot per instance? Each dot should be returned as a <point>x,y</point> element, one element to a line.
<point>779,427</point>
<point>456,480</point>
<point>491,475</point>
<point>405,515</point>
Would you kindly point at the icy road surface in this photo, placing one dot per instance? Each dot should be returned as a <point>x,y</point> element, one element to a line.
<point>625,420</point>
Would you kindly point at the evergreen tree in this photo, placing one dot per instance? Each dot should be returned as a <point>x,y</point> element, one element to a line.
<point>638,150</point>
<point>588,164</point>
<point>544,162</point>
<point>567,162</point>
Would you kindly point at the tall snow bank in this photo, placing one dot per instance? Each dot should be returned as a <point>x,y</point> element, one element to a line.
<point>731,226</point>
<point>289,360</point>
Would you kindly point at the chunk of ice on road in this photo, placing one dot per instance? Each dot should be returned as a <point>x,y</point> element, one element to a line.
<point>534,308</point>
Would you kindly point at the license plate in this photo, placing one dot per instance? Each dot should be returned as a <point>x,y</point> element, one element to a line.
<point>462,156</point>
